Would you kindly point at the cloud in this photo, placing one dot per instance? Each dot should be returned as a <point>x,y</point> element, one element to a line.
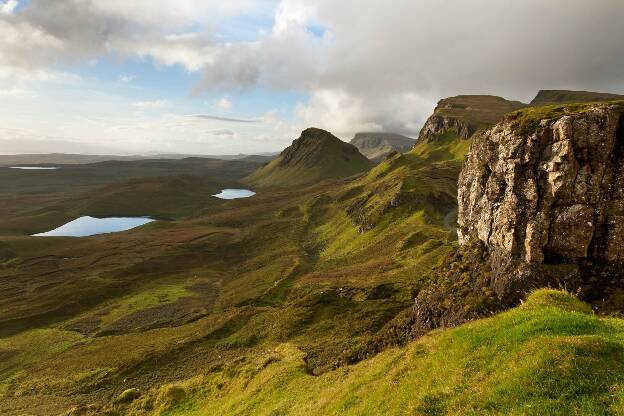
<point>8,7</point>
<point>127,78</point>
<point>386,65</point>
<point>365,65</point>
<point>224,104</point>
<point>151,104</point>
<point>225,119</point>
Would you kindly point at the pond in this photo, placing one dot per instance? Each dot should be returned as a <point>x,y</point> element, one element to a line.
<point>235,193</point>
<point>88,226</point>
<point>33,168</point>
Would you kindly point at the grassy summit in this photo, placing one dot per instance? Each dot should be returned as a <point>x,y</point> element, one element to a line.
<point>464,115</point>
<point>565,96</point>
<point>315,156</point>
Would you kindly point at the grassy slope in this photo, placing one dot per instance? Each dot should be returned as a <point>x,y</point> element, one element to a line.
<point>229,283</point>
<point>549,356</point>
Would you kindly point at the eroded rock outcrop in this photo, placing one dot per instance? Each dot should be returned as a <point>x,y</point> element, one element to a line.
<point>541,204</point>
<point>554,195</point>
<point>464,115</point>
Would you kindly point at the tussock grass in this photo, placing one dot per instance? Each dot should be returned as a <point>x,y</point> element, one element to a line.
<point>549,356</point>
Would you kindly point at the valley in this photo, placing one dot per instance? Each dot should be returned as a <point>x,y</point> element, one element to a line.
<point>331,290</point>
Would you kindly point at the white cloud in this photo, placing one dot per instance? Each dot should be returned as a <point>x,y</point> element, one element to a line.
<point>127,78</point>
<point>157,104</point>
<point>372,66</point>
<point>8,7</point>
<point>224,104</point>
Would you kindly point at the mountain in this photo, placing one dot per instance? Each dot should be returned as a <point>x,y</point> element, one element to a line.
<point>376,146</point>
<point>563,96</point>
<point>315,156</point>
<point>464,115</point>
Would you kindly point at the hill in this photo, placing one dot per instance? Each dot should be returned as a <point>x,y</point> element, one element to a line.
<point>376,146</point>
<point>315,156</point>
<point>563,96</point>
<point>464,115</point>
<point>551,355</point>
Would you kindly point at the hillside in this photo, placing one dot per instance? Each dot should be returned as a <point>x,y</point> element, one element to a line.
<point>315,156</point>
<point>301,299</point>
<point>376,146</point>
<point>563,96</point>
<point>464,115</point>
<point>551,355</point>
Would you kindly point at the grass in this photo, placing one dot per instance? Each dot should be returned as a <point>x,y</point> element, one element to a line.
<point>549,356</point>
<point>527,120</point>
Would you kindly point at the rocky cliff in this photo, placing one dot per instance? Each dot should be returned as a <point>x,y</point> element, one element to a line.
<point>541,203</point>
<point>552,195</point>
<point>464,115</point>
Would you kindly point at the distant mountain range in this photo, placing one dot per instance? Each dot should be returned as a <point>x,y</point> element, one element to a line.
<point>81,159</point>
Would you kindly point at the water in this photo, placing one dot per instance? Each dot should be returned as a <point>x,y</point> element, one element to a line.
<point>87,226</point>
<point>235,193</point>
<point>32,168</point>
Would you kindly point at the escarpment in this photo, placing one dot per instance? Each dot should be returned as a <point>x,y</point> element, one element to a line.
<point>554,195</point>
<point>464,115</point>
<point>540,204</point>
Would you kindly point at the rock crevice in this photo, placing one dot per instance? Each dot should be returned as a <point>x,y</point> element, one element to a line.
<point>552,195</point>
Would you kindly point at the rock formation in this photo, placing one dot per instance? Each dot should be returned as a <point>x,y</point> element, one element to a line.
<point>541,203</point>
<point>553,195</point>
<point>464,115</point>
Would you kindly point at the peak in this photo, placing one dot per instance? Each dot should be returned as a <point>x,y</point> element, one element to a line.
<point>315,155</point>
<point>316,133</point>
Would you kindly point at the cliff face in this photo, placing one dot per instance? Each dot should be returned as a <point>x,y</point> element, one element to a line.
<point>541,204</point>
<point>462,116</point>
<point>555,195</point>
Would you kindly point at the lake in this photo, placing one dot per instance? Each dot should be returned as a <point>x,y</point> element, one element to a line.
<point>88,226</point>
<point>235,194</point>
<point>32,168</point>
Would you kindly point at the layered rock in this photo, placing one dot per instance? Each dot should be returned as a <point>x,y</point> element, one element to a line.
<point>462,116</point>
<point>541,204</point>
<point>554,195</point>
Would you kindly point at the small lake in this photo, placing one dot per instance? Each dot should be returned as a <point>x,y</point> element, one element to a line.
<point>235,194</point>
<point>88,226</point>
<point>32,168</point>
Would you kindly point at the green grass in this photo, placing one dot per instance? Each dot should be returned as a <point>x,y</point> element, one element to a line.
<point>527,120</point>
<point>549,356</point>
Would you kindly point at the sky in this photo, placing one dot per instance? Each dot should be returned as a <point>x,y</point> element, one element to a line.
<point>246,76</point>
